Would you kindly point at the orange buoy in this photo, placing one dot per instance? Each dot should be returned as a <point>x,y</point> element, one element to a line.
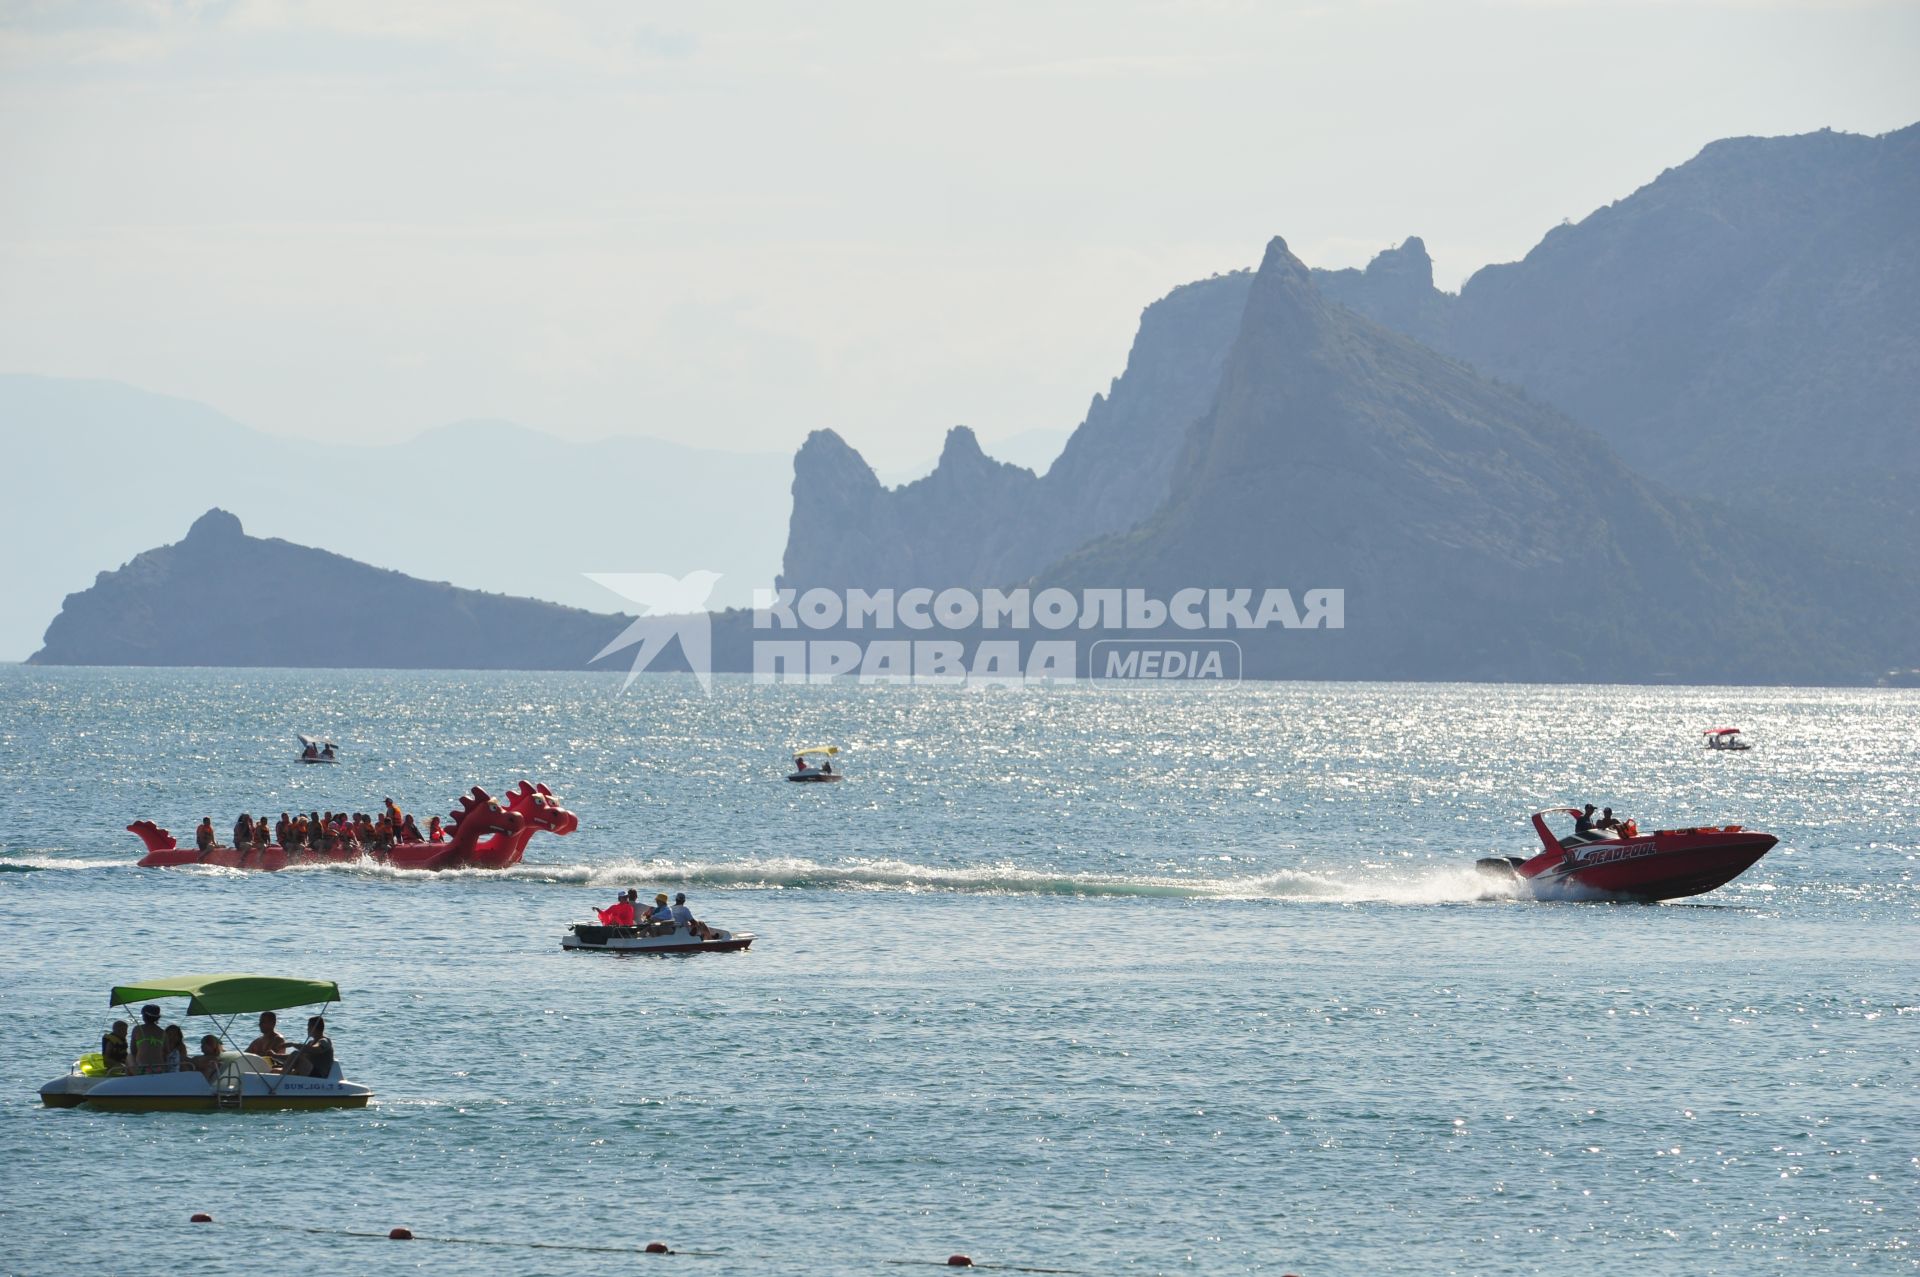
<point>658,1248</point>
<point>400,1235</point>
<point>200,1217</point>
<point>959,1261</point>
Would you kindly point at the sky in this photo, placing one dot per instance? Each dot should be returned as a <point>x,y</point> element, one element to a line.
<point>728,224</point>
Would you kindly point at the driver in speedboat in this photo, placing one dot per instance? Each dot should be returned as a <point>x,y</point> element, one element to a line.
<point>1583,823</point>
<point>1607,824</point>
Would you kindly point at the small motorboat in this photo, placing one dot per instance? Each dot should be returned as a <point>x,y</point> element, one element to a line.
<point>808,772</point>
<point>1725,738</point>
<point>243,1082</point>
<point>1627,864</point>
<point>318,751</point>
<point>593,937</point>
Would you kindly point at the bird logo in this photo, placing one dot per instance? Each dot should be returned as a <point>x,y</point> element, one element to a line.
<point>670,607</point>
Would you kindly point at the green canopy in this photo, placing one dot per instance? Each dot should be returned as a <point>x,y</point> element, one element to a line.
<point>230,993</point>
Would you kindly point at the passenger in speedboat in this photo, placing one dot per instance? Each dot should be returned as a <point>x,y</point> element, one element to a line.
<point>314,1057</point>
<point>208,1061</point>
<point>203,838</point>
<point>147,1044</point>
<point>176,1058</point>
<point>1583,823</point>
<point>113,1048</point>
<point>270,1043</point>
<point>1606,823</point>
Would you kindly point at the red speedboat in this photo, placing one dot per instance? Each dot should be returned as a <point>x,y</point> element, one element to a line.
<point>484,834</point>
<point>1663,865</point>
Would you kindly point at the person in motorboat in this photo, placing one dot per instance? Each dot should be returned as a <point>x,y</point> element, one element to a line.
<point>1607,823</point>
<point>113,1048</point>
<point>203,838</point>
<point>147,1044</point>
<point>826,767</point>
<point>800,767</point>
<point>314,1057</point>
<point>270,1044</point>
<point>1583,823</point>
<point>208,1061</point>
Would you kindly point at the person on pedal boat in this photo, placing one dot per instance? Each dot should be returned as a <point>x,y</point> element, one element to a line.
<point>208,1061</point>
<point>269,1044</point>
<point>314,1057</point>
<point>683,916</point>
<point>147,1044</point>
<point>113,1048</point>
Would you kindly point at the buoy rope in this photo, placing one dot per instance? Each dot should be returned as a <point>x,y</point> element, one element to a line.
<point>590,1248</point>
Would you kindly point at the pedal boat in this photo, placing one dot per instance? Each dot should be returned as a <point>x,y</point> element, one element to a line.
<point>1666,864</point>
<point>814,773</point>
<point>594,937</point>
<point>243,1082</point>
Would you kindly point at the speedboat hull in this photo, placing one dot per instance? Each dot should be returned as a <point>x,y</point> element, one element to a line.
<point>593,938</point>
<point>1668,864</point>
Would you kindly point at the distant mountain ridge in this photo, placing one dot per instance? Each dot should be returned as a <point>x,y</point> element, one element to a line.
<point>1477,533</point>
<point>221,597</point>
<point>115,470</point>
<point>1744,329</point>
<point>975,521</point>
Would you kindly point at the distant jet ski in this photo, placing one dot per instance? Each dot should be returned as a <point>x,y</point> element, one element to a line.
<point>806,771</point>
<point>594,937</point>
<point>317,751</point>
<point>1663,865</point>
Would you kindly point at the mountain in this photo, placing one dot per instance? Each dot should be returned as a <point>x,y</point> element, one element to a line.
<point>975,521</point>
<point>1746,326</point>
<point>221,597</point>
<point>114,470</point>
<point>1476,532</point>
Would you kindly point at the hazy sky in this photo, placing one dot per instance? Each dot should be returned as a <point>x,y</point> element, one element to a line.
<point>731,223</point>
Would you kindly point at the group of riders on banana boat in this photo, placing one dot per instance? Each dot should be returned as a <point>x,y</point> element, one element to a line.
<point>326,831</point>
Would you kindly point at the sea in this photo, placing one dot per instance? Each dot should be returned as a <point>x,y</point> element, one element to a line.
<point>1068,979</point>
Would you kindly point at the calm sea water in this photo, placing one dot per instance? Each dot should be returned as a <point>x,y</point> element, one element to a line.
<point>1083,979</point>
